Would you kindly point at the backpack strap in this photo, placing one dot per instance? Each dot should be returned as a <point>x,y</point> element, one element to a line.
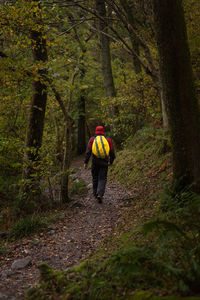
<point>104,150</point>
<point>99,155</point>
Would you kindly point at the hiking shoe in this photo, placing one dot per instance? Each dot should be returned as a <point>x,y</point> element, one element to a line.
<point>99,199</point>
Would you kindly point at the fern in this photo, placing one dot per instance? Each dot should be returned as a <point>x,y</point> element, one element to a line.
<point>164,227</point>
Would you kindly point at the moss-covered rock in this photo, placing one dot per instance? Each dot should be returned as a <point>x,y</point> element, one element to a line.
<point>79,268</point>
<point>54,280</point>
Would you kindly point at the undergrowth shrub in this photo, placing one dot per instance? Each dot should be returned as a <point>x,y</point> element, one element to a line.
<point>78,187</point>
<point>182,205</point>
<point>178,255</point>
<point>175,237</point>
<point>26,226</point>
<point>3,248</point>
<point>11,150</point>
<point>136,102</point>
<point>130,267</point>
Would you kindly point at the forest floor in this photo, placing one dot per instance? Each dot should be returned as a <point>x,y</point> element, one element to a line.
<point>67,242</point>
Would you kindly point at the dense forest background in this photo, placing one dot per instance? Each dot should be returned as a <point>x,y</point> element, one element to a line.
<point>68,66</point>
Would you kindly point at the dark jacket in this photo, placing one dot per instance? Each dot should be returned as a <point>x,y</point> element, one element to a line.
<point>95,159</point>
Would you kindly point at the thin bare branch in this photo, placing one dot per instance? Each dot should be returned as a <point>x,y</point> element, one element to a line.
<point>128,48</point>
<point>76,71</point>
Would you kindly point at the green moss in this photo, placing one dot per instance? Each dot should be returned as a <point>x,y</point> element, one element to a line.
<point>79,268</point>
<point>36,294</point>
<point>52,279</point>
<point>143,156</point>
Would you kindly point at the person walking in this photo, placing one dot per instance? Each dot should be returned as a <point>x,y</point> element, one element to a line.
<point>102,151</point>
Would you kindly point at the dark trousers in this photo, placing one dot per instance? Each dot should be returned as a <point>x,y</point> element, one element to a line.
<point>99,178</point>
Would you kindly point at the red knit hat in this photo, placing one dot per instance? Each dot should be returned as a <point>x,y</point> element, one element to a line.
<point>99,130</point>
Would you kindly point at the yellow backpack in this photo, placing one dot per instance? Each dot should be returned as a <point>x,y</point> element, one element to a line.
<point>100,147</point>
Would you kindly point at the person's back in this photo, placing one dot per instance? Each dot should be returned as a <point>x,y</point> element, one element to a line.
<point>99,162</point>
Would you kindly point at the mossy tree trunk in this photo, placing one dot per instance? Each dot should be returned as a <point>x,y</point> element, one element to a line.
<point>38,103</point>
<point>37,114</point>
<point>178,89</point>
<point>81,122</point>
<point>81,136</point>
<point>105,50</point>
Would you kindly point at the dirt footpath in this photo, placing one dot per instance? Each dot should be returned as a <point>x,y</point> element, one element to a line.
<point>78,233</point>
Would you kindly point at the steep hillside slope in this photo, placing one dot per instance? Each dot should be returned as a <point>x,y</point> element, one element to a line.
<point>152,253</point>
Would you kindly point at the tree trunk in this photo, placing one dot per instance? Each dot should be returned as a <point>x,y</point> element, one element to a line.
<point>36,118</point>
<point>59,132</point>
<point>64,197</point>
<point>105,50</point>
<point>164,112</point>
<point>178,89</point>
<point>81,143</point>
<point>133,38</point>
<point>81,136</point>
